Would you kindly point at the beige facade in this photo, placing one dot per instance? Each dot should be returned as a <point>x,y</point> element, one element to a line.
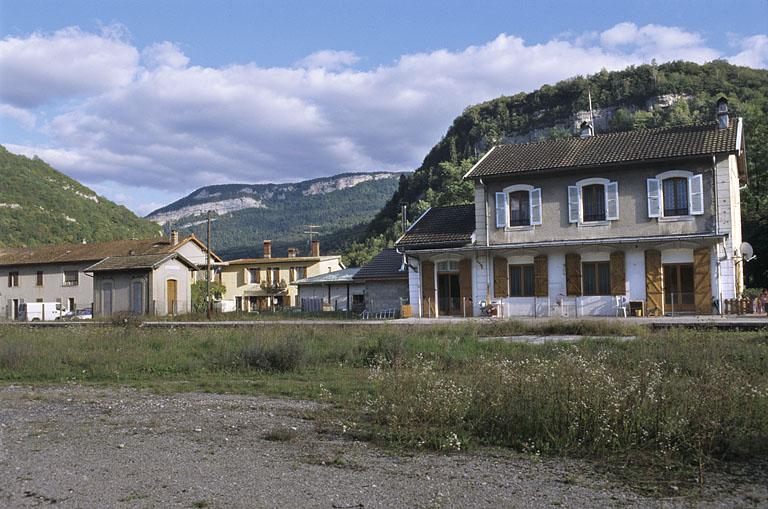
<point>256,284</point>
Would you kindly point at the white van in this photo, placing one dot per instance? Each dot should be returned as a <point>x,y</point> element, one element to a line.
<point>44,311</point>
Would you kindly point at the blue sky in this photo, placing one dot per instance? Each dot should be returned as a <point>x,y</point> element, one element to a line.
<point>146,100</point>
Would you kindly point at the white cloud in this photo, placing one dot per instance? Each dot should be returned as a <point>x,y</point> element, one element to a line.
<point>168,125</point>
<point>24,117</point>
<point>329,59</point>
<point>164,54</point>
<point>42,68</point>
<point>754,52</point>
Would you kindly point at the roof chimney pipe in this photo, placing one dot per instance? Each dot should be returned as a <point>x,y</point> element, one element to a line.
<point>174,237</point>
<point>585,131</point>
<point>315,248</point>
<point>722,113</point>
<point>267,249</point>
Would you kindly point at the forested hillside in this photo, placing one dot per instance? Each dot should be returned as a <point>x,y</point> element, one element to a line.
<point>635,98</point>
<point>39,205</point>
<point>245,214</point>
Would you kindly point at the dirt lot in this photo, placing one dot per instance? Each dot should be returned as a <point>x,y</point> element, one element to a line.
<point>78,446</point>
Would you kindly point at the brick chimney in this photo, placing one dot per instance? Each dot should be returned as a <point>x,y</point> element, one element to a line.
<point>291,252</point>
<point>267,249</point>
<point>315,248</point>
<point>174,237</point>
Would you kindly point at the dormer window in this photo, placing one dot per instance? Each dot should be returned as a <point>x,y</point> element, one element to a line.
<point>675,194</point>
<point>518,206</point>
<point>593,201</point>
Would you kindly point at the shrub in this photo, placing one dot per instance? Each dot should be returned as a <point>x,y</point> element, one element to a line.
<point>279,355</point>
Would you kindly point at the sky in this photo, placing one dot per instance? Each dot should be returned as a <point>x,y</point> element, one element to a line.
<point>145,101</point>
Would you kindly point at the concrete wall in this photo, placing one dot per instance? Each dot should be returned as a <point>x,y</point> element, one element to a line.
<point>53,288</point>
<point>338,294</point>
<point>384,295</point>
<point>120,291</point>
<point>633,206</point>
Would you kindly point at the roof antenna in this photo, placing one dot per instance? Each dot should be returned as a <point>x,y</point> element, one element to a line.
<point>591,115</point>
<point>311,231</point>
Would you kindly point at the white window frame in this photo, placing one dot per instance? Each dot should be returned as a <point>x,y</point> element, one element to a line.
<point>579,185</point>
<point>660,178</point>
<point>534,202</point>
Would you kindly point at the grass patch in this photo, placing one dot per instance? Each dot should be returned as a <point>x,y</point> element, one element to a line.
<point>280,435</point>
<point>674,403</point>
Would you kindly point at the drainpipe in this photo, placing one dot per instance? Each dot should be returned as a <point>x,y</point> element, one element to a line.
<point>717,231</point>
<point>487,243</point>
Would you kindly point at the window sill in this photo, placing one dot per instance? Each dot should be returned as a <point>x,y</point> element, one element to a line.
<point>675,219</point>
<point>590,224</point>
<point>521,228</point>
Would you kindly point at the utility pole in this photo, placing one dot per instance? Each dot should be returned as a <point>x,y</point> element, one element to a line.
<point>208,303</point>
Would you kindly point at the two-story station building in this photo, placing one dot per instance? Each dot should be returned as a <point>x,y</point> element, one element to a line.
<point>580,226</point>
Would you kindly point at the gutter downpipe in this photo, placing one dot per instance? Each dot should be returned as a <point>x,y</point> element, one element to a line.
<point>717,232</point>
<point>487,243</point>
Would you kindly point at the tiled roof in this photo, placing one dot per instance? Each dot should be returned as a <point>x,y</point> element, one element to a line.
<point>148,261</point>
<point>72,253</point>
<point>385,265</point>
<point>442,227</point>
<point>337,276</point>
<point>608,149</point>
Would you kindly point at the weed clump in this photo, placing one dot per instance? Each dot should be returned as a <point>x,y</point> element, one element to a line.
<point>281,355</point>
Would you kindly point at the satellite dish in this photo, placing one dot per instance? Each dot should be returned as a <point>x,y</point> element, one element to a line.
<point>746,251</point>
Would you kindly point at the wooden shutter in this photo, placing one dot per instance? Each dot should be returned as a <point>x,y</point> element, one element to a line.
<point>696,195</point>
<point>500,277</point>
<point>501,210</point>
<point>574,204</point>
<point>654,294</point>
<point>653,187</point>
<point>702,282</point>
<point>612,201</point>
<point>540,276</point>
<point>535,206</point>
<point>465,285</point>
<point>428,304</point>
<point>573,274</point>
<point>618,279</point>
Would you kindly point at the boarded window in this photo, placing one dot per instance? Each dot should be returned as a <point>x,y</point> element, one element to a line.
<point>13,279</point>
<point>70,278</point>
<point>39,278</point>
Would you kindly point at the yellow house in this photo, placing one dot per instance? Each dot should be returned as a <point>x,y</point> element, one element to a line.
<point>256,284</point>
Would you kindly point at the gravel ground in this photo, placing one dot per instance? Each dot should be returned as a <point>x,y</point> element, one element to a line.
<point>79,446</point>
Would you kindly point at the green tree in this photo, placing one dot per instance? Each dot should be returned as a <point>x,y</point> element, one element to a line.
<point>198,294</point>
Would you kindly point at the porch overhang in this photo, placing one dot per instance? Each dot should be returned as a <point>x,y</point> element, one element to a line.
<point>655,239</point>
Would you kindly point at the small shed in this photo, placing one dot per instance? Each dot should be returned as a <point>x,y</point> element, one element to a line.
<point>386,285</point>
<point>153,284</point>
<point>336,291</point>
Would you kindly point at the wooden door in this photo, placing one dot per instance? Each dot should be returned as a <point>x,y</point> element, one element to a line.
<point>171,296</point>
<point>618,277</point>
<point>702,282</point>
<point>500,277</point>
<point>573,274</point>
<point>465,286</point>
<point>428,304</point>
<point>654,295</point>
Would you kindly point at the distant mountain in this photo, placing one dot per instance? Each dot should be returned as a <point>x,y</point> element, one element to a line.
<point>245,214</point>
<point>39,205</point>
